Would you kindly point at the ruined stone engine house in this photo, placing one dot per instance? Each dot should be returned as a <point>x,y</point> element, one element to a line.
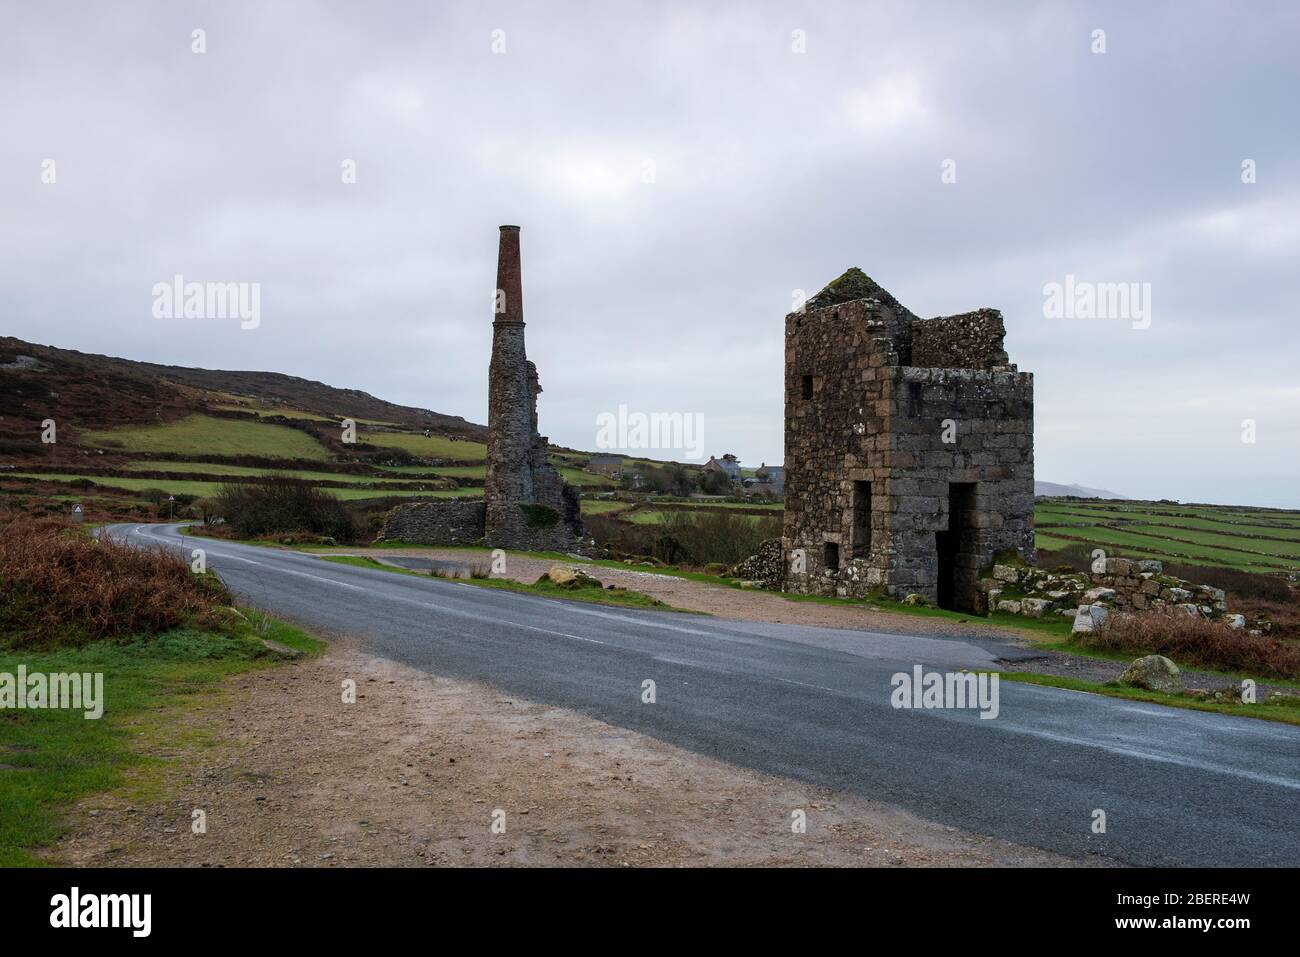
<point>908,448</point>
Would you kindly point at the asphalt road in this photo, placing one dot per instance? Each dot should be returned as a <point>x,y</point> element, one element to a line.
<point>1177,787</point>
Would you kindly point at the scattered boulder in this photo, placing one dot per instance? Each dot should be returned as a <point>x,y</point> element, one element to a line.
<point>914,599</point>
<point>1034,607</point>
<point>571,578</point>
<point>1228,695</point>
<point>1088,618</point>
<point>1236,622</point>
<point>1153,672</point>
<point>1124,567</point>
<point>1010,606</point>
<point>559,575</point>
<point>1006,573</point>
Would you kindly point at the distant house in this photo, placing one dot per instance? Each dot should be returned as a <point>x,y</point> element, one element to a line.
<point>728,463</point>
<point>610,466</point>
<point>773,475</point>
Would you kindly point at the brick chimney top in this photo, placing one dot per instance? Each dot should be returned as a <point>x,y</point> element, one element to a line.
<point>510,294</point>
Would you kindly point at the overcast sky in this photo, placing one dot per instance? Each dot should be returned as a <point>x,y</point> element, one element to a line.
<point>771,170</point>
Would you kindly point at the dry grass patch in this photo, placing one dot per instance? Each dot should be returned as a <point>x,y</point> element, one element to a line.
<point>61,587</point>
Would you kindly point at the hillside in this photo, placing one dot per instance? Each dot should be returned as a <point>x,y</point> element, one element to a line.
<point>1057,490</point>
<point>87,391</point>
<point>129,435</point>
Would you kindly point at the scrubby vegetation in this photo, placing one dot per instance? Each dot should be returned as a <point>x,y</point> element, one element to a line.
<point>276,504</point>
<point>1197,642</point>
<point>1235,581</point>
<point>687,537</point>
<point>59,587</point>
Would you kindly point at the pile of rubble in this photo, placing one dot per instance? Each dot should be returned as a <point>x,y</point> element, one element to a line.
<point>1122,584</point>
<point>765,568</point>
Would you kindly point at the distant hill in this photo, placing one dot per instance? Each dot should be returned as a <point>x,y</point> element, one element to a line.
<point>93,390</point>
<point>1057,490</point>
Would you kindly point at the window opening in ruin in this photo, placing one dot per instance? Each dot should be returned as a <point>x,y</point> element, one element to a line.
<point>861,519</point>
<point>807,387</point>
<point>914,400</point>
<point>832,557</point>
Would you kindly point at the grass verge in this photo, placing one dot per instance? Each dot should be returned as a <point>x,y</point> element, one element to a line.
<point>49,759</point>
<point>621,598</point>
<point>1287,713</point>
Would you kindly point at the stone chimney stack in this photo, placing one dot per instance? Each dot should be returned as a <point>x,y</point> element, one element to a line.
<point>509,479</point>
<point>526,502</point>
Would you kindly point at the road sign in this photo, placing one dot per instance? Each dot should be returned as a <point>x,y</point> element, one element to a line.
<point>78,514</point>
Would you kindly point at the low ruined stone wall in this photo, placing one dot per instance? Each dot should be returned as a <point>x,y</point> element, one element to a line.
<point>971,340</point>
<point>435,523</point>
<point>1142,585</point>
<point>1120,584</point>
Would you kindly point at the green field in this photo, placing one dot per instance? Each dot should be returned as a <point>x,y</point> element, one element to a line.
<point>203,489</point>
<point>209,468</point>
<point>775,507</point>
<point>659,516</point>
<point>451,471</point>
<point>208,435</point>
<point>431,447</point>
<point>574,476</point>
<point>583,479</point>
<point>592,506</point>
<point>263,413</point>
<point>1246,538</point>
